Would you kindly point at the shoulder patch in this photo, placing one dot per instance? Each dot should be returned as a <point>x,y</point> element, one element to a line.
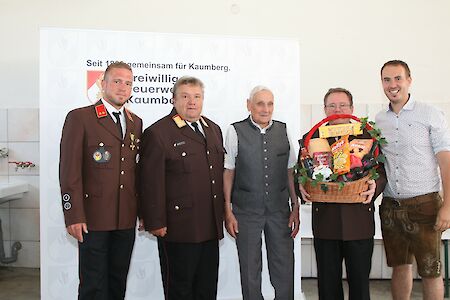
<point>179,121</point>
<point>100,110</point>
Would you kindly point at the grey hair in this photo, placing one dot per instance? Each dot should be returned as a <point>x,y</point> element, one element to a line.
<point>258,89</point>
<point>187,80</point>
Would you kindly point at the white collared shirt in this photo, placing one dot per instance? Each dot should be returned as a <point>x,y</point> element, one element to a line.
<point>112,109</point>
<point>199,126</point>
<point>415,135</point>
<point>231,146</point>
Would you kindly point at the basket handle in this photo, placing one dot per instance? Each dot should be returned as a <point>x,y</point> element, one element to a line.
<point>334,117</point>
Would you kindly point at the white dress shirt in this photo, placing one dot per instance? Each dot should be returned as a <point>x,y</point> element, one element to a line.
<point>415,135</point>
<point>231,146</point>
<point>112,109</point>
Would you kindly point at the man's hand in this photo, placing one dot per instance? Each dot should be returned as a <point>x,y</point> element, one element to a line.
<point>76,230</point>
<point>443,218</point>
<point>161,232</point>
<point>231,224</point>
<point>294,221</point>
<point>370,191</point>
<point>305,195</point>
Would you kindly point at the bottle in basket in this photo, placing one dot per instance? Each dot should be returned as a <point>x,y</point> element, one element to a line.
<point>306,160</point>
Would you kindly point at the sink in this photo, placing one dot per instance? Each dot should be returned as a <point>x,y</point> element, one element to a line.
<point>12,191</point>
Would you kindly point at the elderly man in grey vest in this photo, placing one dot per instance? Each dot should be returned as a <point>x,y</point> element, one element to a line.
<point>258,184</point>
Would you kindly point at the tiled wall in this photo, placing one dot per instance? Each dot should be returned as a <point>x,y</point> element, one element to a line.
<point>19,133</point>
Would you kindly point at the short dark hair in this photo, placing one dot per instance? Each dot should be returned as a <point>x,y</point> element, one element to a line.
<point>397,62</point>
<point>117,65</point>
<point>187,80</point>
<point>338,90</point>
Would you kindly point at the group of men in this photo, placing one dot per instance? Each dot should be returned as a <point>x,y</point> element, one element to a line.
<point>181,183</point>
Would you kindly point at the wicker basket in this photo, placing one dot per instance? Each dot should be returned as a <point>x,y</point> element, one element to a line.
<point>350,192</point>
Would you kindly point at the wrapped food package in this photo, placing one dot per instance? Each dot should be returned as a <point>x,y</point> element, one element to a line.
<point>318,145</point>
<point>341,155</point>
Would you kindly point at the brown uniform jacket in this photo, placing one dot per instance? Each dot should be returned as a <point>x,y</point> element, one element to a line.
<point>97,169</point>
<point>180,180</point>
<point>346,221</point>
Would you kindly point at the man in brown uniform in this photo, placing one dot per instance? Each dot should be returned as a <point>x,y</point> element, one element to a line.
<point>344,231</point>
<point>99,147</point>
<point>181,194</point>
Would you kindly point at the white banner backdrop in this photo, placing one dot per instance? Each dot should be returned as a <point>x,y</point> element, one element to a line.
<point>71,62</point>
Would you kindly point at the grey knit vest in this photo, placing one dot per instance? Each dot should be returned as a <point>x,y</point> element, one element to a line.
<point>261,181</point>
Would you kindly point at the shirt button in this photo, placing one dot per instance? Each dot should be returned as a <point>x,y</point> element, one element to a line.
<point>265,158</point>
<point>265,150</point>
<point>122,159</point>
<point>370,208</point>
<point>267,176</point>
<point>265,142</point>
<point>207,152</point>
<point>121,186</point>
<point>86,196</point>
<point>210,167</point>
<point>123,145</point>
<point>177,207</point>
<point>267,184</point>
<point>213,181</point>
<point>267,193</point>
<point>215,196</point>
<point>265,167</point>
<point>122,172</point>
<point>183,154</point>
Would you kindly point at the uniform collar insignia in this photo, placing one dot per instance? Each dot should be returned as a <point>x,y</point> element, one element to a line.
<point>100,110</point>
<point>203,122</point>
<point>179,121</point>
<point>130,117</point>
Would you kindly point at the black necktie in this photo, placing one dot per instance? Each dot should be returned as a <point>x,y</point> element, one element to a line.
<point>197,130</point>
<point>118,123</point>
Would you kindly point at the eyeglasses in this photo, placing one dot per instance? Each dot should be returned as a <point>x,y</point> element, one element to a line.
<point>340,105</point>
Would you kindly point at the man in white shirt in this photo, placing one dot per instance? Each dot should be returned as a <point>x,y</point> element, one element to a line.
<point>413,214</point>
<point>258,181</point>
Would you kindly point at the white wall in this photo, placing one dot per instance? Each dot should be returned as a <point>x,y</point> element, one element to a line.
<point>343,43</point>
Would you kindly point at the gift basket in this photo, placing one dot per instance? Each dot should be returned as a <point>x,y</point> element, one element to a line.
<point>339,172</point>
